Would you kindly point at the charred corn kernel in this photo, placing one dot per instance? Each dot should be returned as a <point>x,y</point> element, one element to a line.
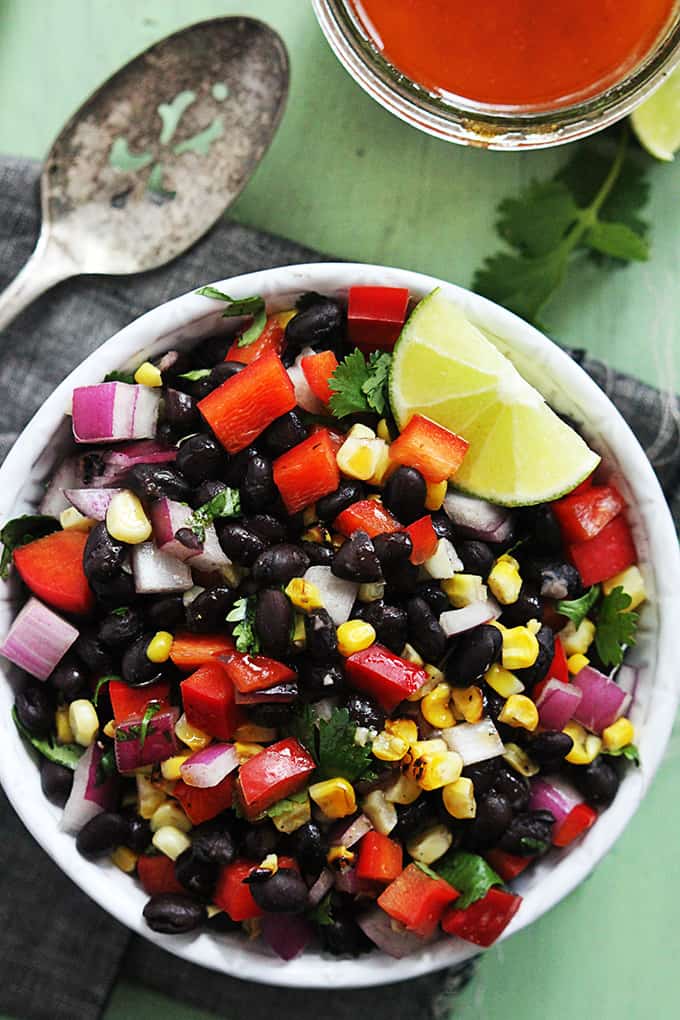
<point>383,431</point>
<point>212,911</point>
<point>432,746</point>
<point>252,733</point>
<point>577,640</point>
<point>435,495</point>
<point>619,734</point>
<point>270,864</point>
<point>63,726</point>
<point>577,662</point>
<point>519,760</point>
<point>403,790</point>
<point>149,796</point>
<point>459,798</point>
<point>432,771</point>
<point>170,768</point>
<point>404,728</point>
<point>110,729</point>
<point>503,681</point>
<point>169,814</point>
<point>519,711</point>
<point>158,649</point>
<point>520,648</point>
<point>633,584</point>
<point>388,747</point>
<point>317,534</point>
<point>372,591</point>
<point>171,841</point>
<point>409,653</point>
<point>83,720</point>
<point>335,797</point>
<point>190,735</point>
<point>380,811</point>
<point>430,845</point>
<point>246,750</point>
<point>72,520</point>
<point>297,813</point>
<point>383,464</point>
<point>586,745</point>
<point>435,707</point>
<point>126,520</point>
<point>303,594</point>
<point>148,375</point>
<point>309,515</point>
<point>340,858</point>
<point>468,703</point>
<point>463,589</point>
<point>354,636</point>
<point>125,859</point>
<point>504,580</point>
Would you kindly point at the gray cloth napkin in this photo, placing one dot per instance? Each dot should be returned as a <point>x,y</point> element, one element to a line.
<point>59,953</point>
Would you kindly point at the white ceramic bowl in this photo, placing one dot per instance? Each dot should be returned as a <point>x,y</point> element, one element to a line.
<point>182,322</point>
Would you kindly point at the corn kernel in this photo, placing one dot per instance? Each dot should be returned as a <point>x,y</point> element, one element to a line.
<point>633,584</point>
<point>63,726</point>
<point>519,760</point>
<point>361,455</point>
<point>383,431</point>
<point>303,594</point>
<point>148,375</point>
<point>317,534</point>
<point>586,745</point>
<point>309,515</point>
<point>297,814</point>
<point>533,626</point>
<point>430,845</point>
<point>83,720</point>
<point>387,747</point>
<point>245,750</point>
<point>463,589</point>
<point>443,563</point>
<point>520,648</point>
<point>283,318</point>
<point>170,768</point>
<point>252,733</point>
<point>170,814</point>
<point>110,729</point>
<point>432,746</point>
<point>354,636</point>
<point>72,520</point>
<point>619,734</point>
<point>360,431</point>
<point>434,676</point>
<point>125,859</point>
<point>404,728</point>
<point>503,681</point>
<point>577,640</point>
<point>149,796</point>
<point>403,790</point>
<point>340,857</point>
<point>577,662</point>
<point>190,735</point>
<point>432,771</point>
<point>519,711</point>
<point>383,464</point>
<point>171,841</point>
<point>435,495</point>
<point>435,707</point>
<point>299,636</point>
<point>380,811</point>
<point>459,798</point>
<point>468,703</point>
<point>126,520</point>
<point>158,649</point>
<point>504,580</point>
<point>335,797</point>
<point>409,653</point>
<point>372,591</point>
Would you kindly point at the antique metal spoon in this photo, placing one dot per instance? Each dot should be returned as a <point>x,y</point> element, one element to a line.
<point>154,157</point>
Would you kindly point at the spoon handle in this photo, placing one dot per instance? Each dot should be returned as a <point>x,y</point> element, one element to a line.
<point>47,265</point>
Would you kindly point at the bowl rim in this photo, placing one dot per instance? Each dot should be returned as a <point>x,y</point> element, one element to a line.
<point>311,970</point>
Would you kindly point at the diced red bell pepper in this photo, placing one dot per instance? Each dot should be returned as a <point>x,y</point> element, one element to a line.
<point>256,672</point>
<point>380,858</point>
<point>482,922</point>
<point>578,821</point>
<point>52,567</point>
<point>424,539</point>
<point>417,901</point>
<point>270,341</point>
<point>558,670</point>
<point>508,866</point>
<point>307,472</point>
<point>189,651</point>
<point>318,368</point>
<point>281,769</point>
<point>209,703</point>
<point>375,316</point>
<point>157,875</point>
<point>607,554</point>
<point>429,448</point>
<point>367,515</point>
<point>243,406</point>
<point>200,804</point>
<point>383,675</point>
<point>127,701</point>
<point>233,895</point>
<point>583,515</point>
<point>336,437</point>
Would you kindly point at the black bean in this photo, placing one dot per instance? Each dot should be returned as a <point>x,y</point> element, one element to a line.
<point>69,679</point>
<point>156,481</point>
<point>138,669</point>
<point>389,622</point>
<point>179,408</point>
<point>319,555</point>
<point>546,650</point>
<point>280,564</point>
<point>513,786</point>
<point>529,606</point>
<point>493,704</point>
<point>528,834</point>
<point>401,578</point>
<point>284,892</point>
<point>393,548</point>
<point>321,641</point>
<point>476,558</point>
<point>196,875</point>
<point>101,834</point>
<point>56,781</point>
<point>437,600</point>
<point>93,652</point>
<point>211,350</point>
<point>189,539</point>
<point>207,613</point>
<point>120,626</point>
<point>276,715</point>
<point>258,489</point>
<point>138,832</point>
<point>494,815</point>
<point>343,936</point>
<point>412,819</point>
<point>222,924</point>
<point>235,468</point>
<point>598,782</point>
<point>443,528</point>
<point>319,323</point>
<point>268,527</point>
<point>174,913</point>
<point>348,492</point>
<point>165,612</point>
<point>218,374</point>
<point>103,556</point>
<point>356,560</point>
<point>259,841</point>
<point>283,434</point>
<point>114,591</point>
<point>213,843</point>
<point>405,493</point>
<point>241,545</point>
<point>365,712</point>
<point>546,530</point>
<point>549,749</point>
<point>200,457</point>
<point>206,491</point>
<point>424,630</point>
<point>556,580</point>
<point>273,622</point>
<point>321,680</point>
<point>476,650</point>
<point>308,845</point>
<point>483,775</point>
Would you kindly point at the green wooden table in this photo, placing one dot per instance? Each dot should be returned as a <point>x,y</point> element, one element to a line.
<point>346,177</point>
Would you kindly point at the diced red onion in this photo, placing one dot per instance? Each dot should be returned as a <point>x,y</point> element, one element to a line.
<point>157,573</point>
<point>323,884</point>
<point>395,941</point>
<point>167,517</point>
<point>68,474</point>
<point>476,518</point>
<point>457,621</point>
<point>88,797</point>
<point>101,468</point>
<point>347,881</point>
<point>114,411</point>
<point>337,595</point>
<point>554,796</point>
<point>213,556</point>
<point>603,700</point>
<point>280,693</point>
<point>557,704</point>
<point>347,833</point>
<point>210,766</point>
<point>169,360</point>
<point>304,394</point>
<point>287,934</point>
<point>38,639</point>
<point>159,743</point>
<point>474,741</point>
<point>92,503</point>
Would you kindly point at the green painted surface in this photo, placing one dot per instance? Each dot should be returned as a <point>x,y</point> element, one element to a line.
<point>345,176</point>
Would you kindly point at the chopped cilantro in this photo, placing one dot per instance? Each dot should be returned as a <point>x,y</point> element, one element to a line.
<point>539,846</point>
<point>302,727</point>
<point>615,626</point>
<point>21,531</point>
<point>226,503</point>
<point>578,609</point>
<point>145,728</point>
<point>360,386</point>
<point>67,755</point>
<point>322,914</point>
<point>195,374</point>
<point>339,755</point>
<point>630,752</point>
<point>241,306</point>
<point>126,377</point>
<point>100,683</point>
<point>243,615</point>
<point>469,874</point>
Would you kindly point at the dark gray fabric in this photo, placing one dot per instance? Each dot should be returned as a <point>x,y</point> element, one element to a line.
<point>59,953</point>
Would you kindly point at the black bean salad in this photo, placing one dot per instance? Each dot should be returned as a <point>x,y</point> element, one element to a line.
<point>288,664</point>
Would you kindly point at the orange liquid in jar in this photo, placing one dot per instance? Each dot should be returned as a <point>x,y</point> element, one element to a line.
<point>514,52</point>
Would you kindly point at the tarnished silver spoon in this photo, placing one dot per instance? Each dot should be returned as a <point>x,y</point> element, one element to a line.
<point>154,157</point>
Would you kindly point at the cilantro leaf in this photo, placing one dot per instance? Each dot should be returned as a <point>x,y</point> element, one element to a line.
<point>254,331</point>
<point>469,874</point>
<point>67,755</point>
<point>577,609</point>
<point>195,374</point>
<point>339,755</point>
<point>615,626</point>
<point>126,377</point>
<point>521,283</point>
<point>226,503</point>
<point>535,846</point>
<point>535,221</point>
<point>322,913</point>
<point>145,728</point>
<point>282,807</point>
<point>618,241</point>
<point>21,531</point>
<point>244,633</point>
<point>303,728</point>
<point>375,386</point>
<point>241,306</point>
<point>100,683</point>
<point>630,752</point>
<point>360,386</point>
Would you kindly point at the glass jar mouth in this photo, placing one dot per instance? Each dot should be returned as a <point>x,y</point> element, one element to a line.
<point>466,122</point>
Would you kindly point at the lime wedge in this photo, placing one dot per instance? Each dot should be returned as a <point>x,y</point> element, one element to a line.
<point>657,121</point>
<point>520,452</point>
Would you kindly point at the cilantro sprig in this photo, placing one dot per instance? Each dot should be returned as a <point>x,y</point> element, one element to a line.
<point>67,755</point>
<point>21,531</point>
<point>577,609</point>
<point>615,626</point>
<point>469,874</point>
<point>244,633</point>
<point>331,743</point>
<point>126,377</point>
<point>241,306</point>
<point>360,386</point>
<point>629,752</point>
<point>226,503</point>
